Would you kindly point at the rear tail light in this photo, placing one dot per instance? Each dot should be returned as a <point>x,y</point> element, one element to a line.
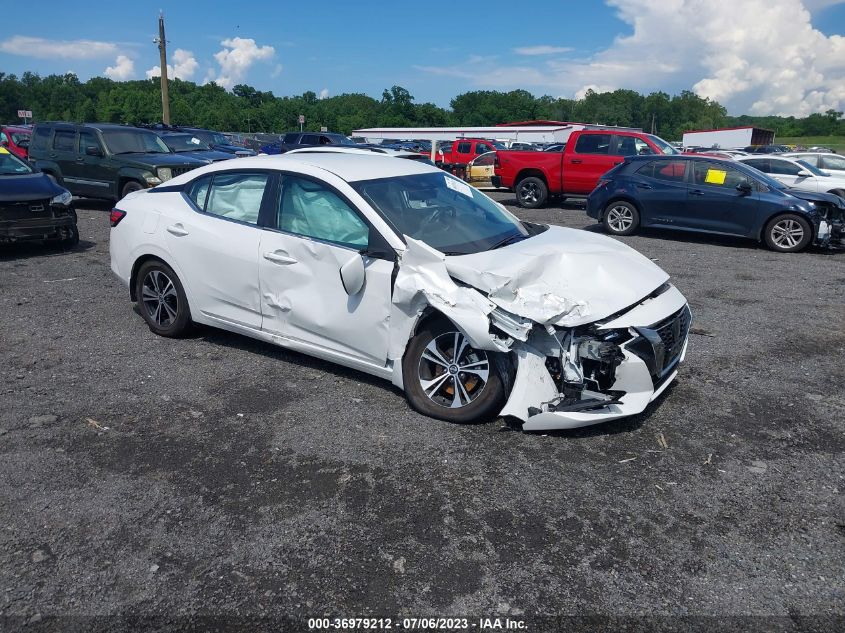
<point>116,216</point>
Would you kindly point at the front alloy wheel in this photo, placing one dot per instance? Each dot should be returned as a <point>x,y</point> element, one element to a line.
<point>445,377</point>
<point>451,373</point>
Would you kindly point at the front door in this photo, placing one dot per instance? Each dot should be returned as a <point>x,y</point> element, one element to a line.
<point>302,295</point>
<point>588,161</point>
<point>715,203</point>
<point>215,239</point>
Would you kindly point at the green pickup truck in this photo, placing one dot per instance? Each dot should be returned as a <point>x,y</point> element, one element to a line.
<point>102,160</point>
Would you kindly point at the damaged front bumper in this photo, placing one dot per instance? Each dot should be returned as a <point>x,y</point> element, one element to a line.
<point>582,376</point>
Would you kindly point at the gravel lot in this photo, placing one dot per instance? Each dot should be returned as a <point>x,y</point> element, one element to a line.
<point>155,481</point>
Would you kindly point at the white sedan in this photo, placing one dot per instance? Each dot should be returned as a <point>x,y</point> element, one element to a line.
<point>400,270</point>
<point>796,173</point>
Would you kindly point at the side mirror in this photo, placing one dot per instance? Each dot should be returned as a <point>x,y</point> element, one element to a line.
<point>93,151</point>
<point>744,188</point>
<point>353,275</point>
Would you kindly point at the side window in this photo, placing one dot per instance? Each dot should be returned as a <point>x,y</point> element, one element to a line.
<point>310,139</point>
<point>759,163</point>
<point>831,161</point>
<point>41,137</point>
<point>198,191</point>
<point>784,168</point>
<point>593,144</point>
<point>86,140</point>
<point>64,140</point>
<point>236,196</point>
<point>463,148</point>
<point>310,209</point>
<point>717,175</point>
<point>667,170</point>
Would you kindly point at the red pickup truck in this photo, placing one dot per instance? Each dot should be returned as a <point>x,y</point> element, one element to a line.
<point>462,150</point>
<point>587,156</point>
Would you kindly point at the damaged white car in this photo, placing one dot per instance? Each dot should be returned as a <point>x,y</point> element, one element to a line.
<point>397,269</point>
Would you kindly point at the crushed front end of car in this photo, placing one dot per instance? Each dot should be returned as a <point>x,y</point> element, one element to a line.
<point>592,330</point>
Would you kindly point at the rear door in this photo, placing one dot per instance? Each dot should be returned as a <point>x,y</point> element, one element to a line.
<point>63,153</point>
<point>214,236</point>
<point>317,231</point>
<point>715,203</point>
<point>661,189</point>
<point>589,159</point>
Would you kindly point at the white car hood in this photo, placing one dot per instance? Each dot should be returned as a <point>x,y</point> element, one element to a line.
<point>564,277</point>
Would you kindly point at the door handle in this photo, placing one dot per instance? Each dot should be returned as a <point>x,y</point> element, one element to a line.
<point>575,162</point>
<point>278,258</point>
<point>177,229</point>
<point>697,192</point>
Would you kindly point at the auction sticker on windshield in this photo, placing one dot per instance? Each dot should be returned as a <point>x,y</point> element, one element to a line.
<point>715,177</point>
<point>457,185</point>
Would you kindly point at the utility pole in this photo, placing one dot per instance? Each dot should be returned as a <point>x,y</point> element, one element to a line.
<point>162,49</point>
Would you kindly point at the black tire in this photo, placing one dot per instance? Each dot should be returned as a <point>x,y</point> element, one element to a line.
<point>531,192</point>
<point>621,218</point>
<point>446,382</point>
<point>163,305</point>
<point>129,187</point>
<point>787,233</point>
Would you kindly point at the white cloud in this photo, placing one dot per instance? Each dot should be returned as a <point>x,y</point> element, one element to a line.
<point>754,56</point>
<point>324,94</point>
<point>542,50</point>
<point>236,57</point>
<point>122,70</point>
<point>184,66</point>
<point>48,49</point>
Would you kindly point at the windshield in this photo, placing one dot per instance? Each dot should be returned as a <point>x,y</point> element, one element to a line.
<point>662,145</point>
<point>11,165</point>
<point>184,143</point>
<point>813,170</point>
<point>442,211</point>
<point>134,141</point>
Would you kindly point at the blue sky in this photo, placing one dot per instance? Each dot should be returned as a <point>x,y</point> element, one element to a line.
<point>721,48</point>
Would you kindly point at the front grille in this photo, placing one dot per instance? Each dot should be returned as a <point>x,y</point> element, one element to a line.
<point>178,171</point>
<point>25,210</point>
<point>661,344</point>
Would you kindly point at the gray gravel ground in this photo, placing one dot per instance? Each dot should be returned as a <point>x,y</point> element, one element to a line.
<point>165,480</point>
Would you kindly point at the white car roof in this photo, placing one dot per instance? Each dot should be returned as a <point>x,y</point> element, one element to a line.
<point>349,166</point>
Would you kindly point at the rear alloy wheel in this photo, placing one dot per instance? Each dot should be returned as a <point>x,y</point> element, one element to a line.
<point>446,378</point>
<point>531,192</point>
<point>621,218</point>
<point>788,233</point>
<point>162,300</point>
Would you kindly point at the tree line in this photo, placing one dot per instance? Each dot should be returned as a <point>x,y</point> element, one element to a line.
<point>245,109</point>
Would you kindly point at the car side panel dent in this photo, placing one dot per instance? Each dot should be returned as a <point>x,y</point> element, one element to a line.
<point>422,282</point>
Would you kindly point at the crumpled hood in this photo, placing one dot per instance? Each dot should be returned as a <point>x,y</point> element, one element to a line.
<point>564,277</point>
<point>28,187</point>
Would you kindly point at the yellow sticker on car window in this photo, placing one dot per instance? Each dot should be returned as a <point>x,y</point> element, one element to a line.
<point>3,150</point>
<point>715,177</point>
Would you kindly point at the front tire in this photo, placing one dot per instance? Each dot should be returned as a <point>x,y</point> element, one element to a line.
<point>162,300</point>
<point>447,379</point>
<point>621,218</point>
<point>531,192</point>
<point>787,233</point>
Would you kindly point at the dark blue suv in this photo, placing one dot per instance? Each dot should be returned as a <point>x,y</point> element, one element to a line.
<point>711,195</point>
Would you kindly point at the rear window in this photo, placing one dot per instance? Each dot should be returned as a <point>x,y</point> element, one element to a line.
<point>667,170</point>
<point>64,140</point>
<point>593,144</point>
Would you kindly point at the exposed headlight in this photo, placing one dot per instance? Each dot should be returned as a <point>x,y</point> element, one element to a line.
<point>164,173</point>
<point>63,199</point>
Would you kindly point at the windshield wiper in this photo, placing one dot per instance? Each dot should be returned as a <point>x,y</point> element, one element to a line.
<point>512,239</point>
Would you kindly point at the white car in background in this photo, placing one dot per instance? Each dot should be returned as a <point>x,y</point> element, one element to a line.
<point>796,174</point>
<point>833,164</point>
<point>397,269</point>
